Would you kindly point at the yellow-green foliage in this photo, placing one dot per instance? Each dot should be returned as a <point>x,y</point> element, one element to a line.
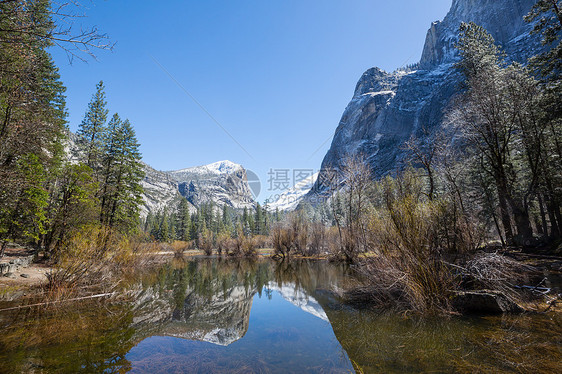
<point>92,256</point>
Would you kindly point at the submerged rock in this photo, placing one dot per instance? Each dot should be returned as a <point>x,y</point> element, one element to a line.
<point>484,302</point>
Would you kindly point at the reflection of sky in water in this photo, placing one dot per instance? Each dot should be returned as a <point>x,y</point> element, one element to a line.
<point>288,332</point>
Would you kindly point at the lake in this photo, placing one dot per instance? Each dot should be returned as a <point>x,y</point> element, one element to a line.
<point>209,315</point>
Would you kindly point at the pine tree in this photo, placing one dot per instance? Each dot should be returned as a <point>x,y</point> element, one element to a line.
<point>499,116</point>
<point>32,117</point>
<point>122,173</point>
<point>183,220</point>
<point>92,129</point>
<point>548,17</point>
<point>164,234</point>
<point>148,222</point>
<point>259,220</point>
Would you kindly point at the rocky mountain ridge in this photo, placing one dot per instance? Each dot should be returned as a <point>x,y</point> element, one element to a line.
<point>388,108</point>
<point>222,182</point>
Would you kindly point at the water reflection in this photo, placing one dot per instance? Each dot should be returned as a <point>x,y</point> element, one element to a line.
<point>297,296</point>
<point>206,300</point>
<point>216,315</point>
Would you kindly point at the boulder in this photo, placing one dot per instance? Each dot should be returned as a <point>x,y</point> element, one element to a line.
<point>484,302</point>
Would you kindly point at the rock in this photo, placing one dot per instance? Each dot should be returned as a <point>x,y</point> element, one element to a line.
<point>9,275</point>
<point>223,183</point>
<point>388,108</point>
<point>24,275</point>
<point>484,302</point>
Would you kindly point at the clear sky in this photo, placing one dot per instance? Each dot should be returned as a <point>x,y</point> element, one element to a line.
<point>275,74</point>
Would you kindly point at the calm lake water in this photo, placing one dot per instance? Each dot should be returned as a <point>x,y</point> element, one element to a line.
<point>233,316</point>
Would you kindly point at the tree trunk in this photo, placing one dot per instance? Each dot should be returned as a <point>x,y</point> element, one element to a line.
<point>505,216</point>
<point>543,215</point>
<point>3,249</point>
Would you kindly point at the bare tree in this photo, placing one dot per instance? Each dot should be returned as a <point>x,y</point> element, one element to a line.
<point>349,206</point>
<point>51,23</point>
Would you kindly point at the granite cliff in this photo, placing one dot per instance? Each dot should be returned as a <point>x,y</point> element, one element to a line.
<point>388,108</point>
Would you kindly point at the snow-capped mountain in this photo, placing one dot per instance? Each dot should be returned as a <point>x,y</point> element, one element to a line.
<point>216,168</point>
<point>223,182</point>
<point>290,199</point>
<point>388,108</point>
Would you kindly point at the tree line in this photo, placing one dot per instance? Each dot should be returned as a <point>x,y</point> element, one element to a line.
<point>208,222</point>
<point>44,196</point>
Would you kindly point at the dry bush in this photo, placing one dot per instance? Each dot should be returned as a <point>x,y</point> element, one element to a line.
<point>404,232</point>
<point>205,241</point>
<point>249,247</point>
<point>291,235</point>
<point>179,247</point>
<point>299,227</point>
<point>317,239</point>
<point>85,256</point>
<point>350,207</point>
<point>224,243</point>
<point>496,272</point>
<point>282,239</point>
<point>94,257</point>
<point>333,244</point>
<point>243,245</point>
<point>262,241</point>
<point>408,282</point>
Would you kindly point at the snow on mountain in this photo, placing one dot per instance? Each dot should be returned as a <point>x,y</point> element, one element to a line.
<point>216,168</point>
<point>222,182</point>
<point>160,191</point>
<point>290,198</point>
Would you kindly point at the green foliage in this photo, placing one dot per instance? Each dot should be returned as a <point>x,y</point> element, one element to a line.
<point>92,129</point>
<point>122,173</point>
<point>32,117</point>
<point>73,203</point>
<point>183,221</point>
<point>547,18</point>
<point>503,123</point>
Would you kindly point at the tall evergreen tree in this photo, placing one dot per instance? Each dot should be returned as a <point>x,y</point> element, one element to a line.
<point>183,220</point>
<point>32,117</point>
<point>500,117</point>
<point>122,173</point>
<point>92,129</point>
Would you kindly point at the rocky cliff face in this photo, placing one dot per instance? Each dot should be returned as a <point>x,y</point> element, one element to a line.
<point>387,108</point>
<point>160,191</point>
<point>223,183</point>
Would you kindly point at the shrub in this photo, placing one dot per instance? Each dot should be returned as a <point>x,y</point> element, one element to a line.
<point>205,241</point>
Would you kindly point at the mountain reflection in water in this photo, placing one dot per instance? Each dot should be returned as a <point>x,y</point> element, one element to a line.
<point>225,315</point>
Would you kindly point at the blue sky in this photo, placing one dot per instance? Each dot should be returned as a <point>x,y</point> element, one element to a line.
<point>276,74</point>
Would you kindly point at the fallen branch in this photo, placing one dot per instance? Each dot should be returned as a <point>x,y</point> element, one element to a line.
<point>58,301</point>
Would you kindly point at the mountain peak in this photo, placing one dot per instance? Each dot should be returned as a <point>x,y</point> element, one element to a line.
<point>502,18</point>
<point>219,167</point>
